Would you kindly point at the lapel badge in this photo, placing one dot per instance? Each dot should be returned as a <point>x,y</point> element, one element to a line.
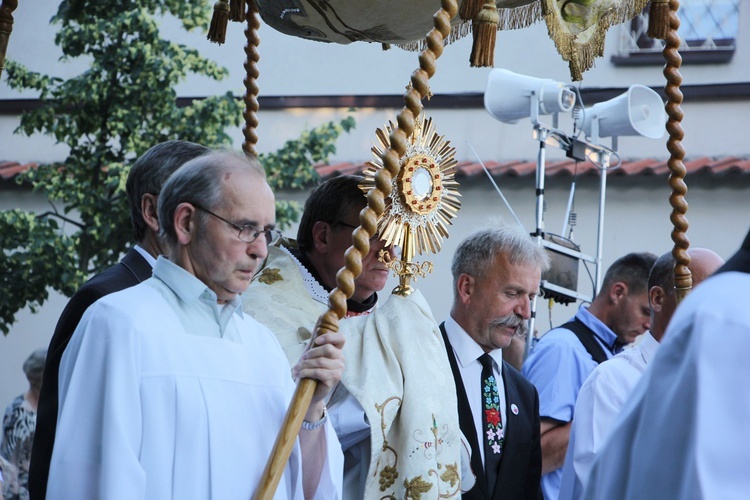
<point>514,409</point>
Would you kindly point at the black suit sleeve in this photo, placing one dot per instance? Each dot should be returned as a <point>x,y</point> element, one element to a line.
<point>534,472</point>
<point>133,269</point>
<point>46,418</point>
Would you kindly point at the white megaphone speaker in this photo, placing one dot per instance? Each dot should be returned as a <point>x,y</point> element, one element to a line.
<point>639,111</point>
<point>510,96</point>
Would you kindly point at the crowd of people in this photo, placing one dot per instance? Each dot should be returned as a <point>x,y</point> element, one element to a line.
<point>169,374</point>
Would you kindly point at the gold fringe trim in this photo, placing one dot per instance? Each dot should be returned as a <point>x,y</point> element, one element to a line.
<point>485,34</point>
<point>510,19</point>
<point>470,9</point>
<point>519,17</point>
<point>580,55</point>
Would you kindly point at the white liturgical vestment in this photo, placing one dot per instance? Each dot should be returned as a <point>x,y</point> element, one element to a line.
<point>599,403</point>
<point>166,395</point>
<point>684,432</point>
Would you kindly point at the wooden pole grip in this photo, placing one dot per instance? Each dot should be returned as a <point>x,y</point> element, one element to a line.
<point>282,449</point>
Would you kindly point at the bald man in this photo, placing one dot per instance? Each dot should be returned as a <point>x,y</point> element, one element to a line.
<point>608,387</point>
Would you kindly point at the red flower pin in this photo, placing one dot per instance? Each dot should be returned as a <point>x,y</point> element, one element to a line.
<point>493,417</point>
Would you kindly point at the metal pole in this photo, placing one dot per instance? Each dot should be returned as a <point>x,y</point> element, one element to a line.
<point>541,133</point>
<point>600,224</point>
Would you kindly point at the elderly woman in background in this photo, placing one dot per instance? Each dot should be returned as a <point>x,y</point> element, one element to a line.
<point>19,424</point>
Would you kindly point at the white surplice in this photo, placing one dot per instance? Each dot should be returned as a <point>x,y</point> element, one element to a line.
<point>600,401</point>
<point>149,410</point>
<point>684,432</point>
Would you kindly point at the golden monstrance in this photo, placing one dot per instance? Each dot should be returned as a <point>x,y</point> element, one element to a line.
<point>423,200</point>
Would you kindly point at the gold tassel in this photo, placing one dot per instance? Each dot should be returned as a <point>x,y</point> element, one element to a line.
<point>658,19</point>
<point>470,9</point>
<point>217,32</point>
<point>237,10</point>
<point>485,33</point>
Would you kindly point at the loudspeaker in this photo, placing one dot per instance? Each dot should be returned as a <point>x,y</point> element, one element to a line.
<point>508,96</point>
<point>639,111</point>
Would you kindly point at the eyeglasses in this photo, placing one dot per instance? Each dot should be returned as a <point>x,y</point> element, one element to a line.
<point>248,233</point>
<point>373,239</point>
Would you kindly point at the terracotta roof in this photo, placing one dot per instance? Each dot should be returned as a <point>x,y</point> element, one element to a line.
<point>517,168</point>
<point>10,169</point>
<point>729,165</point>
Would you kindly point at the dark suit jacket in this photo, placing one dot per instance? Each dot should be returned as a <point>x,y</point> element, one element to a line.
<point>130,271</point>
<point>520,470</point>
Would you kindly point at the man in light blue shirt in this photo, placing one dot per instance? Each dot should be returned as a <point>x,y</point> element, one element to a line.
<point>564,357</point>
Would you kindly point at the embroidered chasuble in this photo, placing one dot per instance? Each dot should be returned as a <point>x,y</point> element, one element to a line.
<point>287,299</point>
<point>396,369</point>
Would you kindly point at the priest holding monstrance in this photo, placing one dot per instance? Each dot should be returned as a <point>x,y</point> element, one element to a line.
<point>397,424</point>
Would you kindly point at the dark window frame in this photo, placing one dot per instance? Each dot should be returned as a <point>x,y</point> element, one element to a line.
<point>649,51</point>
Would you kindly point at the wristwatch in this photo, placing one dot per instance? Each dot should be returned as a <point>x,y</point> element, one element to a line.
<point>311,426</point>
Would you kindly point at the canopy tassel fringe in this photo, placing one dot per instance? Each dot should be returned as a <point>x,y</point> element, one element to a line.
<point>658,19</point>
<point>237,10</point>
<point>485,33</point>
<point>217,31</point>
<point>470,9</point>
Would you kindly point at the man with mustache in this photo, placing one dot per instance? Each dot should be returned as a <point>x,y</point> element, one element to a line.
<point>496,274</point>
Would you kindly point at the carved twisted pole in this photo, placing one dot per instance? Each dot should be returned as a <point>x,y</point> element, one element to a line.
<point>368,217</point>
<point>6,27</point>
<point>251,80</point>
<point>682,278</point>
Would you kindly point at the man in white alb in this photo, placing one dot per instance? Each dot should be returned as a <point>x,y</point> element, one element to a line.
<point>607,389</point>
<point>167,390</point>
<point>683,432</point>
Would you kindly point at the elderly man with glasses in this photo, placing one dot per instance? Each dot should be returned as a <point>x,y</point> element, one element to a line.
<point>167,390</point>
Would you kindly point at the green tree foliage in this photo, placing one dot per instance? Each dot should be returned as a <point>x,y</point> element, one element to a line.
<point>291,166</point>
<point>124,103</point>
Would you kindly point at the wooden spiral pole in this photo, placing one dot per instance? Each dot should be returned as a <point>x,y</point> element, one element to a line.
<point>251,80</point>
<point>6,27</point>
<point>682,277</point>
<point>368,218</point>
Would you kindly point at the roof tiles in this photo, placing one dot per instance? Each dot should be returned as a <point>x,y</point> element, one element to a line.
<point>731,165</point>
<point>719,167</point>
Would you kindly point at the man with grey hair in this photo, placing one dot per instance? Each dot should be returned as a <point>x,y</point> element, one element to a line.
<point>146,177</point>
<point>496,275</point>
<point>167,390</point>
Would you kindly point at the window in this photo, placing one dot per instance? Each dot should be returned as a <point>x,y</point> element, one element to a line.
<point>708,30</point>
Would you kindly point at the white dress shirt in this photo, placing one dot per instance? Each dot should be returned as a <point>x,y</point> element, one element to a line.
<point>467,353</point>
